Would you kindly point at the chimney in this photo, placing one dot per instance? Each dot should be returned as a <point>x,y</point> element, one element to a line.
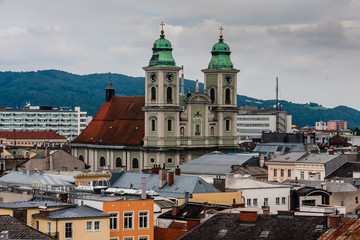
<point>177,170</point>
<point>333,221</point>
<point>248,216</point>
<point>262,159</point>
<point>266,209</point>
<point>192,223</point>
<point>162,176</point>
<point>175,210</point>
<point>331,152</point>
<point>156,169</point>
<point>186,197</point>
<point>153,169</point>
<point>46,152</point>
<point>44,212</point>
<point>219,183</point>
<point>51,163</point>
<point>143,187</point>
<point>171,178</point>
<point>4,235</point>
<point>308,147</point>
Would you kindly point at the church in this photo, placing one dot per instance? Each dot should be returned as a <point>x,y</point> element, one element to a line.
<point>164,127</point>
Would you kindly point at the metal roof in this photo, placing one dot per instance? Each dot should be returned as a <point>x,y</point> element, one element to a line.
<point>31,178</point>
<point>317,158</point>
<point>280,147</point>
<point>216,163</point>
<point>329,186</point>
<point>182,184</point>
<point>74,212</point>
<point>34,204</point>
<point>289,157</point>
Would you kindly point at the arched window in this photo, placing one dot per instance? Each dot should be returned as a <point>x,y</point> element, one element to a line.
<point>169,125</point>
<point>227,96</point>
<point>227,125</point>
<point>81,157</point>
<point>182,131</point>
<point>153,124</point>
<point>118,162</point>
<point>212,95</point>
<point>169,95</point>
<point>152,160</point>
<point>135,163</point>
<point>102,162</point>
<point>153,94</point>
<point>212,131</point>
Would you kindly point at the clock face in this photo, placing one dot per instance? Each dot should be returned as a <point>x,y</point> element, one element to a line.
<point>169,77</point>
<point>153,77</point>
<point>228,79</point>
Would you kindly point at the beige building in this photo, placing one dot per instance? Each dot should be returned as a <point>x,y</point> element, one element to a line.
<point>31,139</point>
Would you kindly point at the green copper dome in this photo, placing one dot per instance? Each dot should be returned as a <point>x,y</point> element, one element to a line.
<point>220,56</point>
<point>162,52</point>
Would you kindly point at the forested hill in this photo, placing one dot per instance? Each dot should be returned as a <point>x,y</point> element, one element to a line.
<point>63,89</point>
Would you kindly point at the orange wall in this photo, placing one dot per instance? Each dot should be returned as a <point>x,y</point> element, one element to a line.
<point>134,206</point>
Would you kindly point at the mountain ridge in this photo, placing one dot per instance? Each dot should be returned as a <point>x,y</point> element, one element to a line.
<point>60,88</point>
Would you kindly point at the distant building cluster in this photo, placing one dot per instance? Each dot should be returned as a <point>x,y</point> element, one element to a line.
<point>66,122</point>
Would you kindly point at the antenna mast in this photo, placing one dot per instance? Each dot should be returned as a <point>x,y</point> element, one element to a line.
<point>277,94</point>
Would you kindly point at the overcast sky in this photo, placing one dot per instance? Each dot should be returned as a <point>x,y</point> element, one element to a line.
<point>313,46</point>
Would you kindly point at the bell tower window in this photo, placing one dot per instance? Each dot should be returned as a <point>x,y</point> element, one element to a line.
<point>228,96</point>
<point>227,125</point>
<point>153,125</point>
<point>169,95</point>
<point>153,94</point>
<point>169,125</point>
<point>212,95</point>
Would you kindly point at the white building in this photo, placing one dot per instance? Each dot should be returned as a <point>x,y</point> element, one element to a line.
<point>66,122</point>
<point>258,194</point>
<point>251,123</point>
<point>320,125</point>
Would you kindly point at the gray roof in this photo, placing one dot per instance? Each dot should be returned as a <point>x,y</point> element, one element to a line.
<point>182,184</point>
<point>317,158</point>
<point>29,178</point>
<point>280,147</point>
<point>289,157</point>
<point>34,204</point>
<point>19,230</point>
<point>74,212</point>
<point>216,163</point>
<point>330,186</point>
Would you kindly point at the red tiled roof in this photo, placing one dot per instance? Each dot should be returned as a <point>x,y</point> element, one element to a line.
<point>118,122</point>
<point>30,135</point>
<point>168,233</point>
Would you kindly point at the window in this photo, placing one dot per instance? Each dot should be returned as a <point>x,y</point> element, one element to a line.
<point>277,201</point>
<point>197,130</point>
<point>266,202</point>
<point>308,202</point>
<point>69,230</point>
<point>248,202</point>
<point>169,161</point>
<point>102,162</point>
<point>275,172</point>
<point>89,226</point>
<point>128,238</point>
<point>255,201</point>
<point>227,125</point>
<point>128,220</point>
<point>143,220</point>
<point>143,238</point>
<point>48,228</point>
<point>289,172</point>
<point>282,172</point>
<point>118,162</point>
<point>283,200</point>
<point>302,175</point>
<point>153,94</point>
<point>182,131</point>
<point>169,125</point>
<point>114,221</point>
<point>135,163</point>
<point>212,95</point>
<point>169,95</point>
<point>227,96</point>
<point>36,224</point>
<point>152,160</point>
<point>81,157</point>
<point>153,125</point>
<point>356,200</point>
<point>97,225</point>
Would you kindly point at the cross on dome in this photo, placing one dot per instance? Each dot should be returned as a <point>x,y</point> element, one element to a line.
<point>221,29</point>
<point>162,27</point>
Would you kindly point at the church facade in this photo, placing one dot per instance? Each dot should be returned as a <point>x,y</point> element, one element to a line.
<point>163,127</point>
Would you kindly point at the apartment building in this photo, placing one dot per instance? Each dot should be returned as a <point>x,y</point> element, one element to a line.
<point>66,122</point>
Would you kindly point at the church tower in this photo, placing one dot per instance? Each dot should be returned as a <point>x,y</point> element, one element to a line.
<point>110,90</point>
<point>162,107</point>
<point>220,84</point>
